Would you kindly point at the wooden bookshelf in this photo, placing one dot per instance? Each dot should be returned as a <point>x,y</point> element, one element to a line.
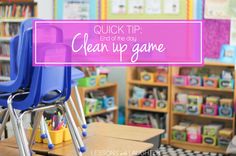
<point>12,20</point>
<point>176,117</point>
<point>110,89</point>
<point>133,79</point>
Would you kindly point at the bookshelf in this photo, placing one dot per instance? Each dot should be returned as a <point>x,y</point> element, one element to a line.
<point>110,89</point>
<point>12,13</point>
<point>177,117</point>
<point>133,78</point>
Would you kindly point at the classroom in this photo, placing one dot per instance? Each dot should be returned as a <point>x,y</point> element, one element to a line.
<point>117,77</point>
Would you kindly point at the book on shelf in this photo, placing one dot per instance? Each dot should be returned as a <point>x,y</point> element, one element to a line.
<point>13,10</point>
<point>9,29</point>
<point>5,69</point>
<point>4,49</point>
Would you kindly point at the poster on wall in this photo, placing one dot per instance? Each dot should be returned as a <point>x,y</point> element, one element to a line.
<point>76,9</point>
<point>220,9</point>
<point>145,9</point>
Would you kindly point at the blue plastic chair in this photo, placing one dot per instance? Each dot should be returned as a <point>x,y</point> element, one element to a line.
<point>44,89</point>
<point>26,100</point>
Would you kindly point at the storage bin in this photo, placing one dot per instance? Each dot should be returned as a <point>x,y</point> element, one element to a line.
<point>225,111</point>
<point>66,134</point>
<point>147,76</point>
<point>194,138</point>
<point>178,107</point>
<point>209,140</point>
<point>194,81</point>
<point>161,104</point>
<point>56,136</point>
<point>88,81</point>
<point>101,80</point>
<point>148,103</point>
<point>133,102</point>
<point>210,109</point>
<point>228,84</point>
<point>162,77</point>
<point>108,102</point>
<point>180,80</point>
<point>38,138</point>
<point>90,106</point>
<point>179,133</point>
<point>210,82</point>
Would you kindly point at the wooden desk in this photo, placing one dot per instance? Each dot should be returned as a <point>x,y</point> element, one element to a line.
<point>9,151</point>
<point>37,147</point>
<point>105,146</point>
<point>126,132</point>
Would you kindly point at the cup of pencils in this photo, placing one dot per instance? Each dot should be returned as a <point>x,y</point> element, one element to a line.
<point>57,128</point>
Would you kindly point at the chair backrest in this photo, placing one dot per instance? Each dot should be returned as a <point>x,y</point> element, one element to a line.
<point>17,48</point>
<point>48,84</point>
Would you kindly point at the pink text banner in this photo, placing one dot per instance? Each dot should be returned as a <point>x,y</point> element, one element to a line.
<point>117,43</point>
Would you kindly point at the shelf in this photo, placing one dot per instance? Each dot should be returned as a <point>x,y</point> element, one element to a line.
<point>218,64</point>
<point>4,58</point>
<point>138,82</point>
<point>197,147</point>
<point>102,112</point>
<point>148,109</point>
<point>5,39</point>
<point>205,116</point>
<point>4,78</point>
<point>12,20</point>
<point>206,89</point>
<point>164,141</point>
<point>107,85</point>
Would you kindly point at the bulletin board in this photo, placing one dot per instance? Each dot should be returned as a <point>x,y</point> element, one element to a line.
<point>147,9</point>
<point>223,9</point>
<point>76,9</point>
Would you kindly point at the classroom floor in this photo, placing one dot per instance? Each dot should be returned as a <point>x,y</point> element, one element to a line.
<point>167,150</point>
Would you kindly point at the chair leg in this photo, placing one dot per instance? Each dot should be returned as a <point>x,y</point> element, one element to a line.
<point>4,122</point>
<point>73,128</point>
<point>75,143</point>
<point>50,144</point>
<point>80,107</point>
<point>78,117</point>
<point>23,135</point>
<point>37,120</point>
<point>15,126</point>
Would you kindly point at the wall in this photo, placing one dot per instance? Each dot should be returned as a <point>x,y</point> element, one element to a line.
<point>45,9</point>
<point>117,74</point>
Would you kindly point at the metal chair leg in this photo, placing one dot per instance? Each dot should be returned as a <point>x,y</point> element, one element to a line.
<point>50,144</point>
<point>75,143</point>
<point>78,117</point>
<point>37,120</point>
<point>73,128</point>
<point>4,122</point>
<point>15,126</point>
<point>23,135</point>
<point>80,107</point>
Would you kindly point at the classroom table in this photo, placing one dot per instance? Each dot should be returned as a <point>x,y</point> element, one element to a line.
<point>105,146</point>
<point>94,144</point>
<point>149,135</point>
<point>9,151</point>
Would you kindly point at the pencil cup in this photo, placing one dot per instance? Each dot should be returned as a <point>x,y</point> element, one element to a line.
<point>56,136</point>
<point>66,135</point>
<point>38,138</point>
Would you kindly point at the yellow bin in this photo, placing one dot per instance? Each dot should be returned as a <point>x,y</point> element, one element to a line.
<point>56,136</point>
<point>66,135</point>
<point>38,138</point>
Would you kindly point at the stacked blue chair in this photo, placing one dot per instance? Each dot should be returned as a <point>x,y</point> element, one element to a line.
<point>44,90</point>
